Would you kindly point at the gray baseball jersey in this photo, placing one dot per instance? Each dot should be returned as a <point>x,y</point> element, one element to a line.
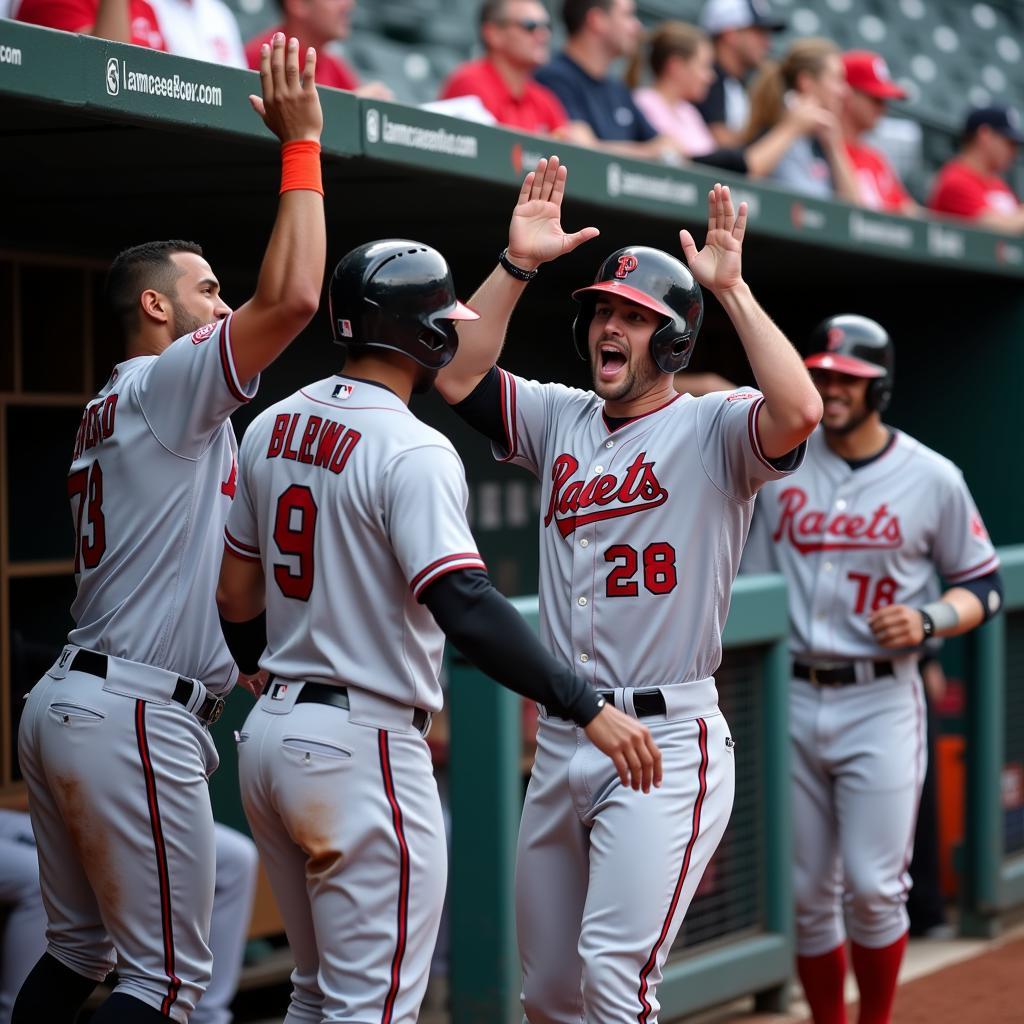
<point>354,507</point>
<point>851,541</point>
<point>116,769</point>
<point>150,486</point>
<point>343,493</point>
<point>642,525</point>
<point>641,528</point>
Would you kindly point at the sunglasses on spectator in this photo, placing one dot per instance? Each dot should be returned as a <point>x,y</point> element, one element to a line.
<point>529,24</point>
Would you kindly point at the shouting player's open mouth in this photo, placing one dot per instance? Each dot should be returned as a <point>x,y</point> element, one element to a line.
<point>610,360</point>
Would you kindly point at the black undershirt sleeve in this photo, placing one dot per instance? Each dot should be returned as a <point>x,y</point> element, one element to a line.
<point>481,408</point>
<point>983,588</point>
<point>490,633</point>
<point>246,641</point>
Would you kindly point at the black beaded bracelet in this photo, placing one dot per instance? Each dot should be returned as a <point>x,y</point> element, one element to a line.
<point>517,272</point>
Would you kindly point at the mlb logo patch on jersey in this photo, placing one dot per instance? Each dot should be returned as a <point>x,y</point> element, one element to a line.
<point>342,391</point>
<point>279,691</point>
<point>203,334</point>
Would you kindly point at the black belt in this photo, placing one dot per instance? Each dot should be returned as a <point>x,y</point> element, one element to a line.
<point>337,696</point>
<point>96,665</point>
<point>839,675</point>
<point>645,703</point>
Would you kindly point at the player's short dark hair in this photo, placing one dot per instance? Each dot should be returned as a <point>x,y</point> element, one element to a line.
<point>574,12</point>
<point>143,266</point>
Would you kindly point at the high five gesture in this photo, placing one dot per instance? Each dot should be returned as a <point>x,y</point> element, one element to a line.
<point>717,266</point>
<point>535,235</point>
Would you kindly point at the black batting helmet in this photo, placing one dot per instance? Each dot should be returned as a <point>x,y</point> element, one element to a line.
<point>398,295</point>
<point>857,346</point>
<point>657,281</point>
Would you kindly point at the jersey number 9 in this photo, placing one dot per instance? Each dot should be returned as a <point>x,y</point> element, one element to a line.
<point>294,530</point>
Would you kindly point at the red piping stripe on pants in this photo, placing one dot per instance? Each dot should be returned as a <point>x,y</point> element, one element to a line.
<point>403,884</point>
<point>174,982</point>
<point>645,1010</point>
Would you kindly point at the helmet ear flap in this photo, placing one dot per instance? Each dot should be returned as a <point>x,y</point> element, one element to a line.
<point>880,394</point>
<point>581,328</point>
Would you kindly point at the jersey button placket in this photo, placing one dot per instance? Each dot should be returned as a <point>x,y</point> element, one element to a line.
<point>581,615</point>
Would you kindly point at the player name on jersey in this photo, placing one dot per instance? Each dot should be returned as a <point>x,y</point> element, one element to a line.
<point>323,443</point>
<point>814,530</point>
<point>97,424</point>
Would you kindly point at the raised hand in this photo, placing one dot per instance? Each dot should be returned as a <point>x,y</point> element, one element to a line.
<point>535,235</point>
<point>290,105</point>
<point>718,266</point>
<point>629,744</point>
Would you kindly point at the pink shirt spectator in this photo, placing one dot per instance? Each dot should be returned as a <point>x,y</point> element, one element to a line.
<point>680,121</point>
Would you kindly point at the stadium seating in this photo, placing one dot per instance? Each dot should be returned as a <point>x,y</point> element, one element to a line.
<point>948,54</point>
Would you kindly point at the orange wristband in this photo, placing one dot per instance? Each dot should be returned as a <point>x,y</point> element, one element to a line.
<point>300,166</point>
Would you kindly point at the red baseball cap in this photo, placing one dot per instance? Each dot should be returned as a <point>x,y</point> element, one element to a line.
<point>867,72</point>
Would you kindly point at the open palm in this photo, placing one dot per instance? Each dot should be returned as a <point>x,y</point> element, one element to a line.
<point>535,235</point>
<point>718,266</point>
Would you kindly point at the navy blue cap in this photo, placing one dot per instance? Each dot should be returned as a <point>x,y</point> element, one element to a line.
<point>1003,120</point>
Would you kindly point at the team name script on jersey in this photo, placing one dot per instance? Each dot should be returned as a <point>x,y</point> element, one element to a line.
<point>814,530</point>
<point>97,424</point>
<point>323,442</point>
<point>638,491</point>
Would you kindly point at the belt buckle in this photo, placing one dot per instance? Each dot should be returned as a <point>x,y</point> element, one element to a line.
<point>812,675</point>
<point>216,711</point>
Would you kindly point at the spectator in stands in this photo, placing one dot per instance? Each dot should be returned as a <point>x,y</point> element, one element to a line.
<point>601,32</point>
<point>742,33</point>
<point>516,36</point>
<point>317,23</point>
<point>201,29</point>
<point>970,184</point>
<point>810,75</point>
<point>680,59</point>
<point>871,87</point>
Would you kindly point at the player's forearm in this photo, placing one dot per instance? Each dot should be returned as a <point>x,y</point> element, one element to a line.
<point>490,633</point>
<point>968,610</point>
<point>481,341</point>
<point>792,405</point>
<point>291,276</point>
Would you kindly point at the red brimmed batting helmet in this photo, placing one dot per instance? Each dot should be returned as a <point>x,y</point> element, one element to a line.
<point>652,279</point>
<point>856,346</point>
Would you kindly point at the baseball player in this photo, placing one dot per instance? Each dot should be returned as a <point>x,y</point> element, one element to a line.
<point>646,498</point>
<point>113,740</point>
<point>23,939</point>
<point>860,532</point>
<point>348,559</point>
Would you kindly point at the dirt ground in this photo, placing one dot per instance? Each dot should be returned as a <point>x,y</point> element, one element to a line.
<point>984,989</point>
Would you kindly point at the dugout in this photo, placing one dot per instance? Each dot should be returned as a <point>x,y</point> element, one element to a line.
<point>107,145</point>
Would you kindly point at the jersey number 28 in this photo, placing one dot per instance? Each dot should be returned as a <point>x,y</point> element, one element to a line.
<point>659,571</point>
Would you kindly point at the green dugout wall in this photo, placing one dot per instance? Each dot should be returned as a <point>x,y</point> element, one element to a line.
<point>107,145</point>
